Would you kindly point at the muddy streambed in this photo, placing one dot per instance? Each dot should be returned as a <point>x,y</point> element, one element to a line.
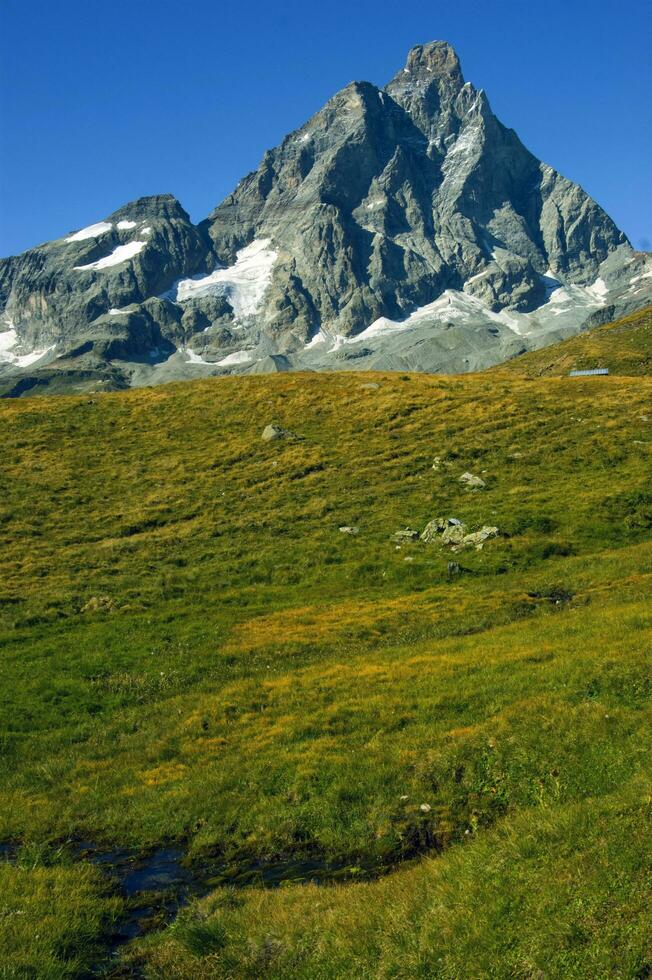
<point>156,884</point>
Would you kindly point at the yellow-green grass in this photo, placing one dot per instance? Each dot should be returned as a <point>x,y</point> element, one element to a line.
<point>52,918</point>
<point>558,891</point>
<point>192,651</point>
<point>624,347</point>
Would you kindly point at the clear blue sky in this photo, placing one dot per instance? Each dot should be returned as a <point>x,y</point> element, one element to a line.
<point>104,102</point>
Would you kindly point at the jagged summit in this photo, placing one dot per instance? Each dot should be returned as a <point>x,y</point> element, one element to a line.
<point>402,227</point>
<point>437,58</point>
<point>158,206</point>
<point>432,90</point>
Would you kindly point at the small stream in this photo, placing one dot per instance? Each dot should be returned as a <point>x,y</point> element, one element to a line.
<point>154,885</point>
<point>157,884</point>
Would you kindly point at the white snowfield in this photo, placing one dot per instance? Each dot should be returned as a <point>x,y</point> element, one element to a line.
<point>120,254</point>
<point>319,338</point>
<point>93,231</point>
<point>100,228</point>
<point>456,306</point>
<point>192,357</point>
<point>237,357</point>
<point>8,340</point>
<point>599,289</point>
<point>563,299</point>
<point>243,284</point>
<point>644,275</point>
<point>451,305</point>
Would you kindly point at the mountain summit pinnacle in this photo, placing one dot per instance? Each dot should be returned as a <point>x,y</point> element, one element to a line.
<point>428,88</point>
<point>437,58</point>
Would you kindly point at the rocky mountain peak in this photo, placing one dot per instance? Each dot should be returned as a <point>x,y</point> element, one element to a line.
<point>432,90</point>
<point>164,207</point>
<point>397,228</point>
<point>437,58</point>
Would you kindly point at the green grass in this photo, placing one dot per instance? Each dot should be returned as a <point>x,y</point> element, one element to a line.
<point>192,651</point>
<point>624,347</point>
<point>560,892</point>
<point>52,917</point>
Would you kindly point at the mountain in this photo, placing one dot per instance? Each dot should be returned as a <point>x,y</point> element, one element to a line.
<point>399,228</point>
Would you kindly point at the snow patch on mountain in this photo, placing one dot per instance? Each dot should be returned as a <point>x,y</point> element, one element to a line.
<point>192,357</point>
<point>319,338</point>
<point>93,231</point>
<point>456,306</point>
<point>8,340</point>
<point>237,357</point>
<point>599,289</point>
<point>451,305</point>
<point>243,284</point>
<point>120,254</point>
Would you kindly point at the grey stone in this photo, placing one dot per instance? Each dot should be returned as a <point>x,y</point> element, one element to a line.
<point>435,528</point>
<point>454,534</point>
<point>273,432</point>
<point>472,482</point>
<point>478,538</point>
<point>347,529</point>
<point>407,534</point>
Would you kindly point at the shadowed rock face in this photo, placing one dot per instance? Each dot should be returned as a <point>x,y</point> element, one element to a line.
<point>382,203</point>
<point>56,294</point>
<point>386,198</point>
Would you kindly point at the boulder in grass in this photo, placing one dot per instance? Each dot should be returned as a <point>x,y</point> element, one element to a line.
<point>102,603</point>
<point>454,534</point>
<point>477,538</point>
<point>273,432</point>
<point>472,482</point>
<point>407,534</point>
<point>433,529</point>
<point>436,527</point>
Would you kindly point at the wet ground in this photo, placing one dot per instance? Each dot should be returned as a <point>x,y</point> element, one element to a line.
<point>157,884</point>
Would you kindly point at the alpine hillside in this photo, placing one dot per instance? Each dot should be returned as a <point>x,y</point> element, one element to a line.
<point>383,640</point>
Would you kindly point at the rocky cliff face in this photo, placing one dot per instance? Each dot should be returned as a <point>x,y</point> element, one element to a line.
<point>401,227</point>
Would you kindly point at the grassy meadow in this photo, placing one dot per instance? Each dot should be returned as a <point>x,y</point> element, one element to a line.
<point>624,346</point>
<point>192,652</point>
